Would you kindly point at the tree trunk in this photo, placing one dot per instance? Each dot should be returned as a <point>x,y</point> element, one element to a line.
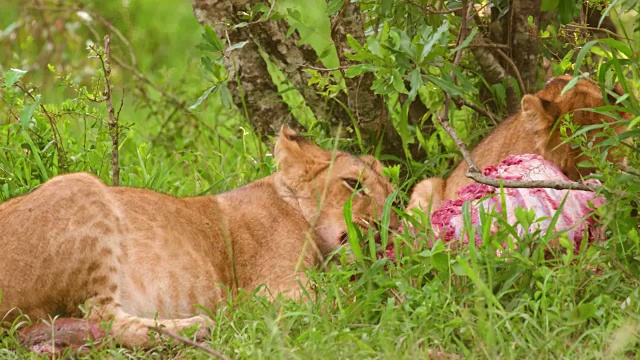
<point>251,85</point>
<point>520,58</point>
<point>368,109</point>
<point>524,41</point>
<point>253,88</point>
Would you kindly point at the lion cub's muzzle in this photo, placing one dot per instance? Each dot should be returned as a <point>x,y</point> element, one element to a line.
<point>368,225</point>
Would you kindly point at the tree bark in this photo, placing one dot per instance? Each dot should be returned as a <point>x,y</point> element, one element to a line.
<point>524,41</point>
<point>520,57</point>
<point>253,88</point>
<point>369,110</point>
<point>251,85</point>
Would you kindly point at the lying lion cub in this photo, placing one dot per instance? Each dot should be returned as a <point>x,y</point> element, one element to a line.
<point>132,254</point>
<point>533,130</point>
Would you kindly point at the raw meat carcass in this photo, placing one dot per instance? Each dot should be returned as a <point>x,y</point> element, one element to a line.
<point>575,218</point>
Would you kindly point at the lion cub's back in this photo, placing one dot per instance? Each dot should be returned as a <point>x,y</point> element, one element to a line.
<point>59,242</point>
<point>174,254</point>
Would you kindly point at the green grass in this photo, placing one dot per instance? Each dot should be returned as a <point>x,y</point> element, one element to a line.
<point>432,302</point>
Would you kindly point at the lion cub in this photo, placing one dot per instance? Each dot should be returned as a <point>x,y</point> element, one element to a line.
<point>533,130</point>
<point>131,255</point>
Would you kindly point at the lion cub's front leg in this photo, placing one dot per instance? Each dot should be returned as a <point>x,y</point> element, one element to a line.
<point>427,195</point>
<point>133,331</point>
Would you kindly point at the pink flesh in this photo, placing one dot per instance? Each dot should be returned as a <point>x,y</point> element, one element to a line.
<point>66,333</point>
<point>575,218</point>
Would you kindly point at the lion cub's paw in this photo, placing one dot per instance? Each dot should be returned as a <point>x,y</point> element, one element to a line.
<point>197,326</point>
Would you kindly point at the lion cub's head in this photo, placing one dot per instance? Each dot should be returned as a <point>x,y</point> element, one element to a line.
<point>542,110</point>
<point>320,183</point>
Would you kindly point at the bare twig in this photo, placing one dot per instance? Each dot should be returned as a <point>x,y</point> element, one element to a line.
<point>606,31</point>
<point>190,342</point>
<point>514,69</point>
<point>324,69</point>
<point>528,184</point>
<point>112,123</point>
<point>443,120</point>
<point>429,10</point>
<point>460,101</point>
<point>488,45</point>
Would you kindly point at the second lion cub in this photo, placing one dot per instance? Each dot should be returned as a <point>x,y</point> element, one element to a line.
<point>533,130</point>
<point>134,254</point>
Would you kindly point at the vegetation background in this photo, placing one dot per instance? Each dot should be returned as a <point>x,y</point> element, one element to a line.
<point>184,130</point>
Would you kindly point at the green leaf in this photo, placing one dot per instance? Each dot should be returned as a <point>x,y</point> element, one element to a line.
<point>525,217</point>
<point>36,154</point>
<point>398,82</point>
<point>386,6</point>
<point>448,87</point>
<point>352,230</point>
<point>27,112</point>
<point>548,5</point>
<point>583,312</point>
<point>440,261</point>
<point>353,43</point>
<point>566,62</point>
<point>443,29</point>
<point>374,47</point>
<point>203,97</point>
<point>572,83</point>
<point>386,218</point>
<point>240,25</point>
<point>566,11</point>
<point>381,86</point>
<point>583,52</point>
<point>356,70</point>
<point>225,96</point>
<point>235,46</point>
<point>334,6</point>
<point>211,38</point>
<point>415,81</point>
<point>466,41</point>
<point>12,77</point>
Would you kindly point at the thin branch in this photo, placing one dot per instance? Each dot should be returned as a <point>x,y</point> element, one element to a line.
<point>190,342</point>
<point>489,45</point>
<point>514,69</point>
<point>112,123</point>
<point>528,184</point>
<point>181,104</point>
<point>460,101</point>
<point>443,120</point>
<point>606,31</point>
<point>324,69</point>
<point>429,11</point>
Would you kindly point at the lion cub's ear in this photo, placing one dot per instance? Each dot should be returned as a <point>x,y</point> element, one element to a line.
<point>541,112</point>
<point>295,155</point>
<point>372,162</point>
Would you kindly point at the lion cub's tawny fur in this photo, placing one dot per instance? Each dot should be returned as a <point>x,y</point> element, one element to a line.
<point>533,130</point>
<point>131,254</point>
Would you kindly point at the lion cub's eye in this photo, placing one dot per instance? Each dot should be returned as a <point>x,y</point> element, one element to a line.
<point>354,184</point>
